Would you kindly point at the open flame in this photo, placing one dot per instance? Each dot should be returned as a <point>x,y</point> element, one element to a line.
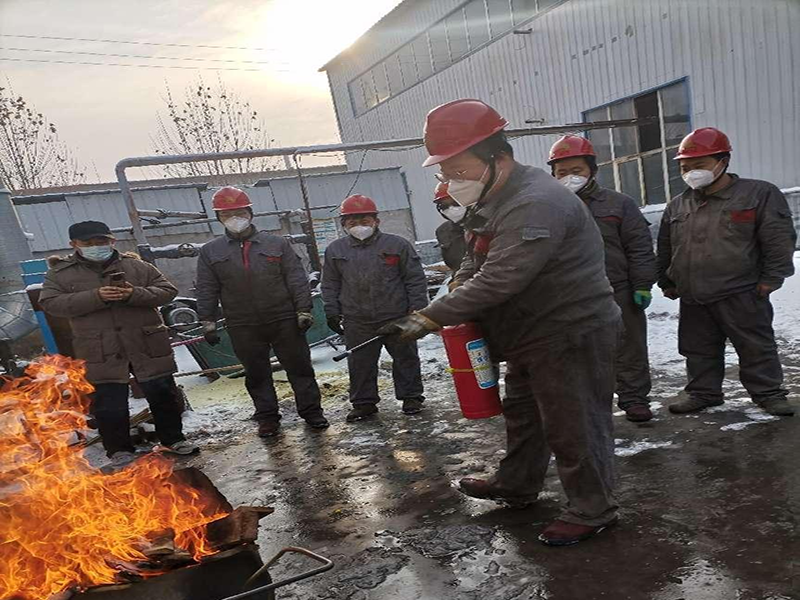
<point>63,523</point>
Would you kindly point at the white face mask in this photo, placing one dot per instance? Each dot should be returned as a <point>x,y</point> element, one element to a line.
<point>361,232</point>
<point>96,253</point>
<point>700,178</point>
<point>237,224</point>
<point>574,183</point>
<point>455,214</point>
<point>467,191</point>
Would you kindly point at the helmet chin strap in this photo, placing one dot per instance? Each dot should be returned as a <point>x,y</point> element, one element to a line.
<point>492,179</point>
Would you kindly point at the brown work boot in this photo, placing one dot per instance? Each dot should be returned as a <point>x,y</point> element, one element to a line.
<point>563,533</point>
<point>638,413</point>
<point>486,490</point>
<point>779,407</point>
<point>412,406</point>
<point>268,428</point>
<point>693,404</point>
<point>361,412</point>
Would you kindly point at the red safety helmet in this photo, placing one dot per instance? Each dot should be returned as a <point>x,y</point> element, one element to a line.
<point>703,142</point>
<point>457,126</point>
<point>570,146</point>
<point>358,205</point>
<point>230,198</point>
<point>441,191</point>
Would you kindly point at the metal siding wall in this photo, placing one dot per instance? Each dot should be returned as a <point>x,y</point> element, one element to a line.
<point>742,60</point>
<point>48,224</point>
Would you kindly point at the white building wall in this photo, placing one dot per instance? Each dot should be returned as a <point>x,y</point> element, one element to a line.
<point>741,58</point>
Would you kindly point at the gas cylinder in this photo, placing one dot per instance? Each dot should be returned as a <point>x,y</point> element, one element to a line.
<point>474,375</point>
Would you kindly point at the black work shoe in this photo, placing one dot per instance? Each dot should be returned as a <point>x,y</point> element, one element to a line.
<point>779,407</point>
<point>361,412</point>
<point>563,533</point>
<point>268,428</point>
<point>412,406</point>
<point>638,413</point>
<point>693,404</point>
<point>486,490</point>
<point>318,423</point>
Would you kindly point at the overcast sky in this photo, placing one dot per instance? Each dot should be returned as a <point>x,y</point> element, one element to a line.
<point>106,113</point>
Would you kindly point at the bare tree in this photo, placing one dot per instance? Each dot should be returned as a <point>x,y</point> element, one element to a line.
<point>210,119</point>
<point>31,153</point>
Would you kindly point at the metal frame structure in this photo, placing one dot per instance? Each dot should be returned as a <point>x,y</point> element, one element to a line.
<point>138,230</point>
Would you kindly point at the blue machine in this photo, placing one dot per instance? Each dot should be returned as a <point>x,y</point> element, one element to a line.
<point>33,272</point>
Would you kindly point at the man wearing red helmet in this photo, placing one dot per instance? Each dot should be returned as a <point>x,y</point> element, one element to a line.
<point>371,278</point>
<point>535,279</point>
<point>630,264</point>
<point>725,244</point>
<point>450,234</point>
<point>266,299</point>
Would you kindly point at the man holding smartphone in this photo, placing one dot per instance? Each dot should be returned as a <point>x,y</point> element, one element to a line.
<point>112,300</point>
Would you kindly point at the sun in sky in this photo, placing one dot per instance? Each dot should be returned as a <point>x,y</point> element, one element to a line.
<point>302,35</point>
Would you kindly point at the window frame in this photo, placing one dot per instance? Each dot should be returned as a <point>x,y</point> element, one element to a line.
<point>664,150</point>
<point>442,22</point>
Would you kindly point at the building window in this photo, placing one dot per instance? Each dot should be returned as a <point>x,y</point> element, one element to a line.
<point>469,27</point>
<point>637,161</point>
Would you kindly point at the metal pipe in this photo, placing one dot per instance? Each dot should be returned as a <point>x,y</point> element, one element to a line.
<point>145,161</point>
<point>171,159</point>
<point>161,213</point>
<point>271,213</point>
<point>130,205</point>
<point>313,248</point>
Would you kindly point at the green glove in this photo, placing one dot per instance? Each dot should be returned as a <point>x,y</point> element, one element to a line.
<point>642,298</point>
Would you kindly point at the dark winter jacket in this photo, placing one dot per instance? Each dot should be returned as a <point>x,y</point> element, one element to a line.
<point>451,240</point>
<point>114,338</point>
<point>534,270</point>
<point>373,281</point>
<point>718,245</point>
<point>630,257</point>
<point>259,279</point>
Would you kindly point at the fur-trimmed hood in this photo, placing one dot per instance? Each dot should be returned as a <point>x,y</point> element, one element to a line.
<point>59,260</point>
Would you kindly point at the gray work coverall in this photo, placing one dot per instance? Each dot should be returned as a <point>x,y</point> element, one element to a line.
<point>452,243</point>
<point>371,283</point>
<point>262,285</point>
<point>630,266</point>
<point>534,278</point>
<point>715,250</point>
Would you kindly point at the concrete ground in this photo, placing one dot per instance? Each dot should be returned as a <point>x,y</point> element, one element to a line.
<point>710,501</point>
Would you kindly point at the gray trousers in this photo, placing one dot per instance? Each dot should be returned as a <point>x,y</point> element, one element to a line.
<point>559,401</point>
<point>633,364</point>
<point>253,345</point>
<point>746,320</point>
<point>363,365</point>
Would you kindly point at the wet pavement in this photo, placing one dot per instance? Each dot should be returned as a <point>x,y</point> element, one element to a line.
<point>710,502</point>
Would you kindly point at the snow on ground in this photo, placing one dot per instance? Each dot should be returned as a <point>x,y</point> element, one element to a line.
<point>222,409</point>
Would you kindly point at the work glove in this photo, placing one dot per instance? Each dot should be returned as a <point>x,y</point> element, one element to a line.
<point>335,324</point>
<point>642,298</point>
<point>455,283</point>
<point>304,321</point>
<point>410,328</point>
<point>210,333</point>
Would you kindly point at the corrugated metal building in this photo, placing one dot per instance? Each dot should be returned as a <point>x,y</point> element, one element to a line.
<point>48,216</point>
<point>732,64</point>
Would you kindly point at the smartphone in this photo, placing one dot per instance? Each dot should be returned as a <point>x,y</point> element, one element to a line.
<point>118,279</point>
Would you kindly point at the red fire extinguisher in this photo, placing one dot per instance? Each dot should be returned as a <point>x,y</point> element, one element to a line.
<point>474,375</point>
